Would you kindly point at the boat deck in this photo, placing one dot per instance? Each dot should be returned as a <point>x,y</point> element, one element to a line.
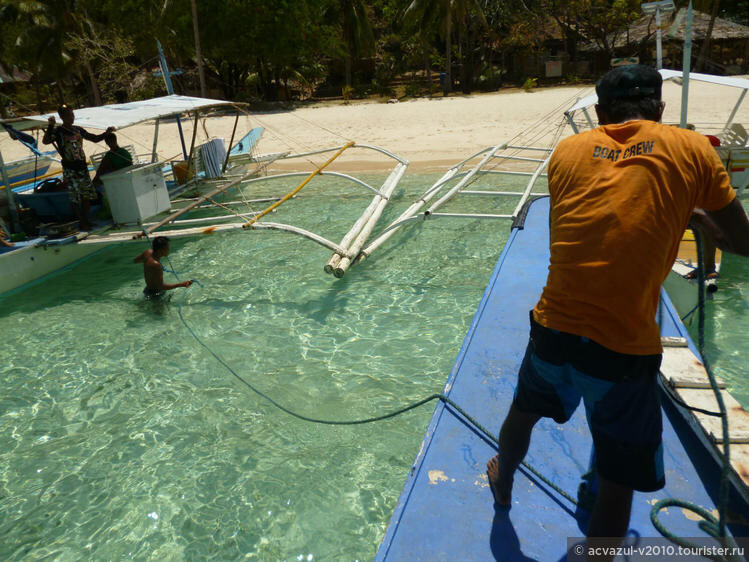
<point>446,509</point>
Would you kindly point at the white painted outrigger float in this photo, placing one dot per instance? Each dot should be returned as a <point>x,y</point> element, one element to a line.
<point>142,205</point>
<point>494,183</point>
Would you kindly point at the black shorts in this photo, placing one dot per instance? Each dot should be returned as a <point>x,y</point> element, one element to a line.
<point>153,294</point>
<point>621,397</point>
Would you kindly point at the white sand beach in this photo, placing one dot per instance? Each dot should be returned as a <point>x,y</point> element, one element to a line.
<point>432,134</point>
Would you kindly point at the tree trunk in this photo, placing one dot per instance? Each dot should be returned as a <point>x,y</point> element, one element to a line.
<point>427,66</point>
<point>705,47</point>
<point>347,57</point>
<point>198,56</point>
<point>448,50</point>
<point>347,62</point>
<point>94,85</point>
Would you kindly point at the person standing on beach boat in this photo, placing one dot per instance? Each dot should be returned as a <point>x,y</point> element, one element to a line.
<point>153,270</point>
<point>621,196</point>
<point>68,140</point>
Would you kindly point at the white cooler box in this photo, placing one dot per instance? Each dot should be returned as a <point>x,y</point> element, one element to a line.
<point>136,193</point>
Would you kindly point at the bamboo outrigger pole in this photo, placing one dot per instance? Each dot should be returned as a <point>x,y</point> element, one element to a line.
<point>299,187</point>
<point>198,201</point>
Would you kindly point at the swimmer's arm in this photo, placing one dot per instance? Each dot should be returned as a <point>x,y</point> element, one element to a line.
<point>170,286</point>
<point>157,276</point>
<point>141,257</point>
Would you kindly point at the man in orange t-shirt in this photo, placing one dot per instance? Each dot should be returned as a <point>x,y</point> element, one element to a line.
<point>621,196</point>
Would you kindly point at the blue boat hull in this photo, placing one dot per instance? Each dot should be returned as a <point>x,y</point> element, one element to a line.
<point>446,509</point>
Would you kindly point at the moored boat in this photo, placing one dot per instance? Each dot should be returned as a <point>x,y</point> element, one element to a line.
<point>446,511</point>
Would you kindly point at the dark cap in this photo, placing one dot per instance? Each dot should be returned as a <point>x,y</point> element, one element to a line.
<point>634,81</point>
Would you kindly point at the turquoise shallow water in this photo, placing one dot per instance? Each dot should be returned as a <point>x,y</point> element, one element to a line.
<point>122,438</point>
<point>727,326</point>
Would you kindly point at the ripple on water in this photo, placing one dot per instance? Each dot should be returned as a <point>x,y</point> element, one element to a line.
<point>123,438</point>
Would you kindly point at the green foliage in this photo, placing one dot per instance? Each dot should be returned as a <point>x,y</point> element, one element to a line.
<point>529,84</point>
<point>413,89</point>
<point>347,92</point>
<point>490,78</point>
<point>271,49</point>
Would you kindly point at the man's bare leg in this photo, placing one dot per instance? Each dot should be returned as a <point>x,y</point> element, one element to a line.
<point>514,438</point>
<point>610,516</point>
<point>85,207</point>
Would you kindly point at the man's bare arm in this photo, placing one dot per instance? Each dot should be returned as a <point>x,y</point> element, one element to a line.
<point>734,228</point>
<point>47,138</point>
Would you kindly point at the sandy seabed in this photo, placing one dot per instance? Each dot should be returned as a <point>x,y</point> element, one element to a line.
<point>432,134</point>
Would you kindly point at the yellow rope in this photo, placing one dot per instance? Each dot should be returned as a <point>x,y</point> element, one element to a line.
<point>298,188</point>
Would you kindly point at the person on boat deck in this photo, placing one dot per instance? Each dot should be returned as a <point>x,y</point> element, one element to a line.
<point>68,140</point>
<point>115,159</point>
<point>153,271</point>
<point>621,196</point>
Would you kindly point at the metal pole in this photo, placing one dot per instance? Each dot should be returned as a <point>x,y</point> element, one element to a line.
<point>685,67</point>
<point>170,91</point>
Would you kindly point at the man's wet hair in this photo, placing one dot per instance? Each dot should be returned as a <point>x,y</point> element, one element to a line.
<point>630,91</point>
<point>159,243</point>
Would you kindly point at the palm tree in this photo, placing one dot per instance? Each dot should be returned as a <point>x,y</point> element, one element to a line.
<point>356,30</point>
<point>439,14</point>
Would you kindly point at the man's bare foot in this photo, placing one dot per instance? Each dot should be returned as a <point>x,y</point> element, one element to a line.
<point>501,486</point>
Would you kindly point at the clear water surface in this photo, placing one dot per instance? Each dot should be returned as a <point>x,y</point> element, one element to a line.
<point>122,438</point>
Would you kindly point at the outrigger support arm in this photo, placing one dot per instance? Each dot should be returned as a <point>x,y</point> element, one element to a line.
<point>198,201</point>
<point>291,194</point>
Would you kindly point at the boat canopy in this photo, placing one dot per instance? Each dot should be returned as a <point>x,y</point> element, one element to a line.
<point>675,75</point>
<point>121,115</point>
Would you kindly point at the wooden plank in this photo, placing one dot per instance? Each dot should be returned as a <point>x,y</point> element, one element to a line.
<point>738,418</point>
<point>685,374</point>
<point>740,461</point>
<point>680,368</point>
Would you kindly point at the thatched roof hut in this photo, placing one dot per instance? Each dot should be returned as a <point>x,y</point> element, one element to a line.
<point>728,49</point>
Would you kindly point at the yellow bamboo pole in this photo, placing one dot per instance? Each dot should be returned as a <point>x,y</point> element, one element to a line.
<point>298,188</point>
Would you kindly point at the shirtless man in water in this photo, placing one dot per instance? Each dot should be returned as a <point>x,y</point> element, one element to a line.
<point>153,271</point>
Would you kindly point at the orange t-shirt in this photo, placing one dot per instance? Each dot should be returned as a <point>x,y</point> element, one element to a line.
<point>621,197</point>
